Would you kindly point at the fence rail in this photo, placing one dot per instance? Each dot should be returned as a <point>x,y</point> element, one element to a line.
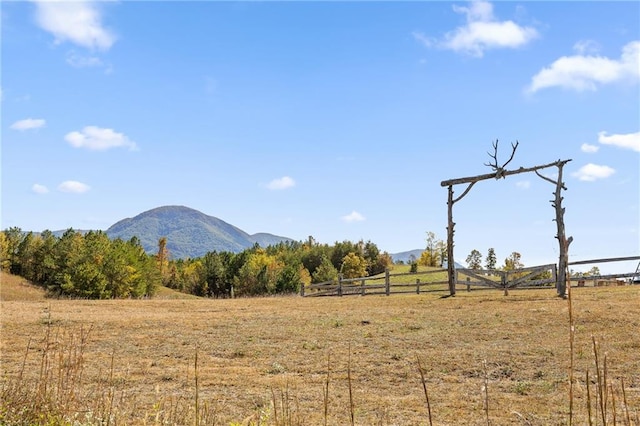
<point>385,284</point>
<point>542,276</point>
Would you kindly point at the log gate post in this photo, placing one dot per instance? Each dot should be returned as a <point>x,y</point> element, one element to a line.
<point>498,173</point>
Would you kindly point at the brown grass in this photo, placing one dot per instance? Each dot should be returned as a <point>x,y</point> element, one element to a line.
<point>266,359</point>
<point>14,288</point>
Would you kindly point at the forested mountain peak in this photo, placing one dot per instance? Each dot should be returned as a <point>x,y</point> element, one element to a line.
<point>189,232</point>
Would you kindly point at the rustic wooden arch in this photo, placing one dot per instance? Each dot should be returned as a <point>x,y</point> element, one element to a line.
<point>498,173</point>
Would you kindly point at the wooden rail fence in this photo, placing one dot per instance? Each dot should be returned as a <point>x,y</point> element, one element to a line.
<point>531,277</point>
<point>543,276</point>
<point>385,284</point>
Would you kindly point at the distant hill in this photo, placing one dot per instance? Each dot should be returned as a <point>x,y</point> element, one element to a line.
<point>406,256</point>
<point>189,233</point>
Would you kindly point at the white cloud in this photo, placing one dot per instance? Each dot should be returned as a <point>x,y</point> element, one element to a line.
<point>99,139</point>
<point>354,216</point>
<point>591,172</point>
<point>523,184</point>
<point>482,32</point>
<point>581,72</point>
<point>586,46</point>
<point>629,140</point>
<point>73,186</point>
<point>82,61</point>
<point>28,124</point>
<point>281,183</point>
<point>79,22</point>
<point>585,147</point>
<point>39,189</point>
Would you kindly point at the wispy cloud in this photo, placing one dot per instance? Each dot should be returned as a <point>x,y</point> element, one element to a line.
<point>354,216</point>
<point>28,124</point>
<point>586,46</point>
<point>284,182</point>
<point>78,60</point>
<point>79,22</point>
<point>591,172</point>
<point>73,186</point>
<point>586,72</point>
<point>523,184</point>
<point>482,32</point>
<point>627,141</point>
<point>99,139</point>
<point>588,148</point>
<point>39,189</point>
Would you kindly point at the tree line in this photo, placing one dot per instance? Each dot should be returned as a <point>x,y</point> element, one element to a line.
<point>91,265</point>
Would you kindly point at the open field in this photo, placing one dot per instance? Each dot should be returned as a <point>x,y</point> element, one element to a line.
<point>138,361</point>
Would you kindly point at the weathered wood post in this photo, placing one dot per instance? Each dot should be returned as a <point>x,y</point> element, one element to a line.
<point>450,231</point>
<point>340,285</point>
<point>563,241</point>
<point>468,284</point>
<point>503,283</point>
<point>302,289</point>
<point>387,282</point>
<point>362,287</point>
<point>417,285</point>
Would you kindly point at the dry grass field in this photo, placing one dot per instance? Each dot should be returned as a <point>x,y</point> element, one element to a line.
<point>315,361</point>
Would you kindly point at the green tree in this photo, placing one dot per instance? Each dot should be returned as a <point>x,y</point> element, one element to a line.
<point>215,273</point>
<point>491,259</point>
<point>5,260</point>
<point>258,275</point>
<point>474,260</point>
<point>45,258</point>
<point>13,237</point>
<point>341,249</point>
<point>26,256</point>
<point>311,256</point>
<point>325,271</point>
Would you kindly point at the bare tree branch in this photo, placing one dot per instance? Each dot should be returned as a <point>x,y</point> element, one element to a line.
<point>494,156</point>
<point>499,170</point>
<point>550,180</point>
<point>513,152</point>
<point>464,193</point>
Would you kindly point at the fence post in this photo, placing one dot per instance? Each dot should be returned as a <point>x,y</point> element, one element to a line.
<point>302,289</point>
<point>468,283</point>
<point>417,285</point>
<point>503,281</point>
<point>387,284</point>
<point>340,285</point>
<point>362,287</point>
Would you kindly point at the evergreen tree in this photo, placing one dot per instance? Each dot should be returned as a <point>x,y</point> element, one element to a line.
<point>491,260</point>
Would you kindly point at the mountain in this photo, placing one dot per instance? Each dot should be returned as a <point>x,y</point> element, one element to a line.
<point>189,233</point>
<point>406,256</point>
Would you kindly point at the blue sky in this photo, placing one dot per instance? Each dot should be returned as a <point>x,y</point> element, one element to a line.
<point>332,119</point>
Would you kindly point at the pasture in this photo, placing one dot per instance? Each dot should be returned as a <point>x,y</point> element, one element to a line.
<point>486,358</point>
